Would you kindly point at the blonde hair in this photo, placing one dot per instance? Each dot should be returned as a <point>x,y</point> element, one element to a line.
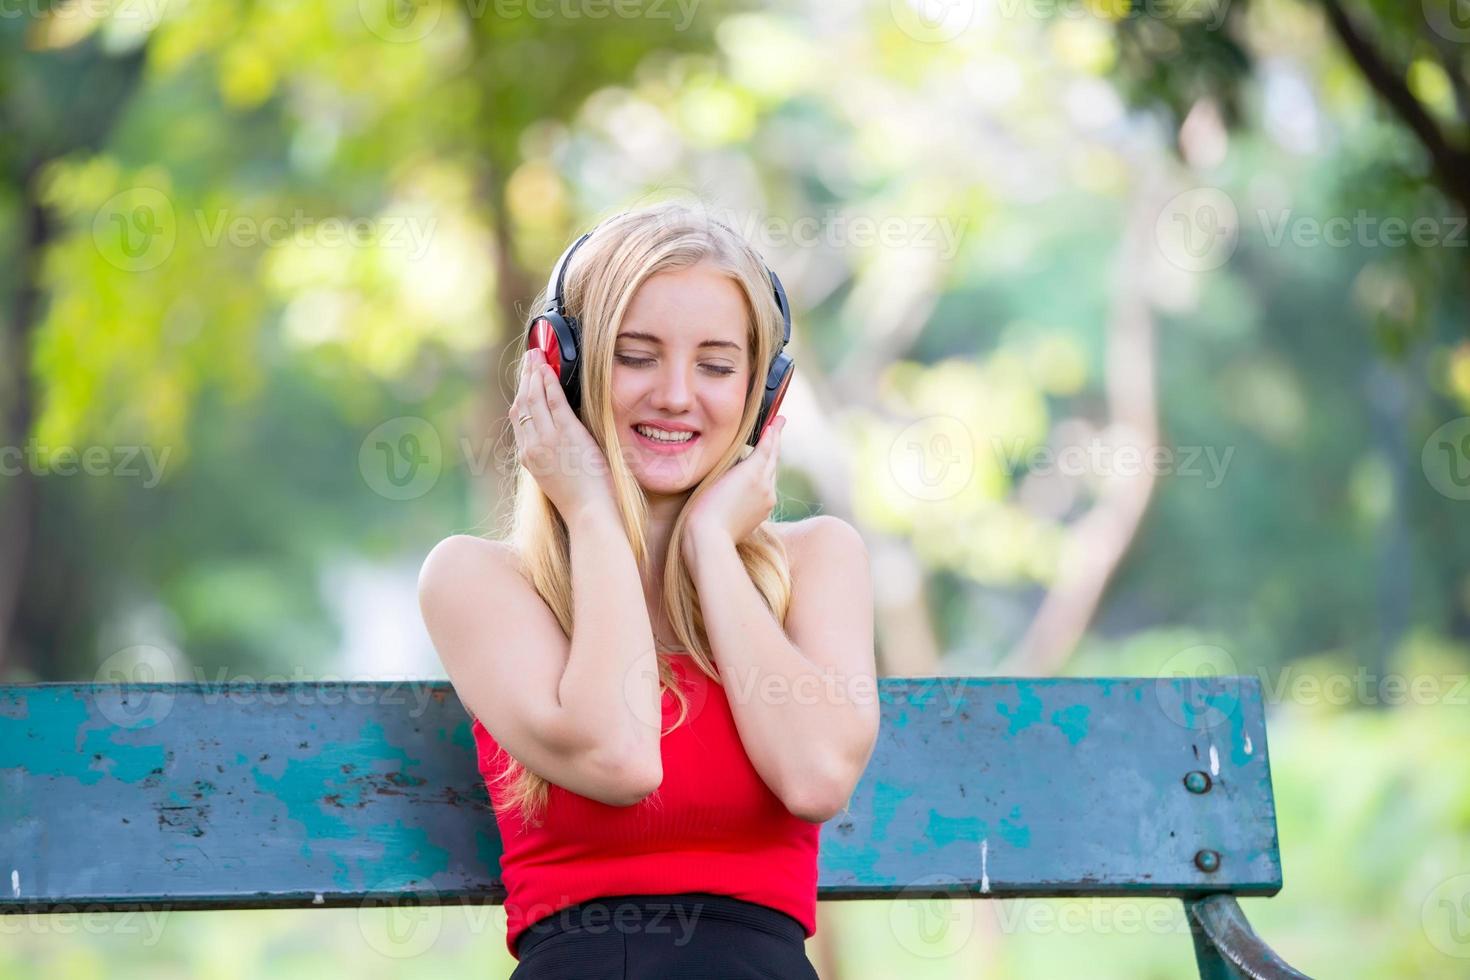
<point>600,282</point>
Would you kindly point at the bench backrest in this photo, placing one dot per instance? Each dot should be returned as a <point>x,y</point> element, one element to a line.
<point>329,794</point>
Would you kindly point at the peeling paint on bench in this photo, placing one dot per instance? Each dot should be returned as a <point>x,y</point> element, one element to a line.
<point>200,796</point>
<point>302,795</point>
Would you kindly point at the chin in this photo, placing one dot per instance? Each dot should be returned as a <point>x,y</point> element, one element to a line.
<point>667,475</point>
<point>665,483</point>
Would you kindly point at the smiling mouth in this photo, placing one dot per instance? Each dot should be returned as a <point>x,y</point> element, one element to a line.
<point>667,446</point>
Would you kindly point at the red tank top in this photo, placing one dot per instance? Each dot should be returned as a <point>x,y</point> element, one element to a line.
<point>712,826</point>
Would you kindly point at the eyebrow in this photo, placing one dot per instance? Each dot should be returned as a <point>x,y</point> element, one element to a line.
<point>650,338</point>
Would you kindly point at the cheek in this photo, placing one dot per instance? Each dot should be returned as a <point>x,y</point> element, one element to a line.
<point>732,398</point>
<point>732,404</point>
<point>624,397</point>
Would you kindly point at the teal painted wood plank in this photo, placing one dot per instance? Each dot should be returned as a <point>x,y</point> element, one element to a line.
<point>294,795</point>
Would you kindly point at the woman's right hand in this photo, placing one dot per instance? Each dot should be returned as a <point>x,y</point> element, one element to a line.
<point>555,446</point>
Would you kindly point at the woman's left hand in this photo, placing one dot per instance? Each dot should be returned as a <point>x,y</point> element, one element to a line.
<point>742,498</point>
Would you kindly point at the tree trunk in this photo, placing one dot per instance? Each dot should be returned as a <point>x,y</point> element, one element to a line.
<point>18,502</point>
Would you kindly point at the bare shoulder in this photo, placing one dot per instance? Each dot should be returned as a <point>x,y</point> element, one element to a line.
<point>483,616</point>
<point>466,559</point>
<point>823,540</point>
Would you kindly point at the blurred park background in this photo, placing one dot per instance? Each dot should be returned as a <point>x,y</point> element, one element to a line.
<point>1132,335</point>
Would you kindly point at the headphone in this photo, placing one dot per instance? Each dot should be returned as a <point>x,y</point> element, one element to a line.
<point>558,335</point>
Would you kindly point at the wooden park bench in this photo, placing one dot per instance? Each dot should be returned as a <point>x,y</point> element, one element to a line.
<point>302,795</point>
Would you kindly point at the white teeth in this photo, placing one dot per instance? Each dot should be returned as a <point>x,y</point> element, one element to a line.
<point>661,436</point>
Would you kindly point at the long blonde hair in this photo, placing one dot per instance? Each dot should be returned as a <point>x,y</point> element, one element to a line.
<point>600,282</point>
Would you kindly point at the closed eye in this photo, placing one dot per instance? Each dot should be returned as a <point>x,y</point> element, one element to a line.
<point>716,369</point>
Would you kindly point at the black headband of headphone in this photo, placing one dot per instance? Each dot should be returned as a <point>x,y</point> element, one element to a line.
<point>554,303</point>
<point>559,336</point>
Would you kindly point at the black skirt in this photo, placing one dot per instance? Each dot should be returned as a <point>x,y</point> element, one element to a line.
<point>688,936</point>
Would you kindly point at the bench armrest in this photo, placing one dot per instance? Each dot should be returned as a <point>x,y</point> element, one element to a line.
<point>1226,947</point>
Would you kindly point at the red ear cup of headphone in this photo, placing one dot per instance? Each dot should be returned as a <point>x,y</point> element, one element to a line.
<point>556,339</point>
<point>542,337</point>
<point>782,371</point>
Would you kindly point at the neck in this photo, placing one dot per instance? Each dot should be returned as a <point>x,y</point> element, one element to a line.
<point>663,511</point>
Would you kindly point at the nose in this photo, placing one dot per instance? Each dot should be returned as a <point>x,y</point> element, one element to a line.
<point>672,391</point>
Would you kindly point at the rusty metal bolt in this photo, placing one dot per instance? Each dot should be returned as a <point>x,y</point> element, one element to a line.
<point>1207,861</point>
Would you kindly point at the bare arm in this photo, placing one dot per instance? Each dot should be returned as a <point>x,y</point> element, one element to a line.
<point>567,716</point>
<point>610,685</point>
<point>805,704</point>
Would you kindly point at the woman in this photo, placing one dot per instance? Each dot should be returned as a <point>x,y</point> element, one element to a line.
<point>670,692</point>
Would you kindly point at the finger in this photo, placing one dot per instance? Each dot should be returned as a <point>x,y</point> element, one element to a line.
<point>549,390</point>
<point>521,380</point>
<point>517,407</point>
<point>539,409</point>
<point>523,404</point>
<point>523,437</point>
<point>769,437</point>
<point>556,398</point>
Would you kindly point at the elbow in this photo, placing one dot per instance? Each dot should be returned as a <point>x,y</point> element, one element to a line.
<point>817,798</point>
<point>631,779</point>
<point>817,801</point>
<point>635,788</point>
<point>816,810</point>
